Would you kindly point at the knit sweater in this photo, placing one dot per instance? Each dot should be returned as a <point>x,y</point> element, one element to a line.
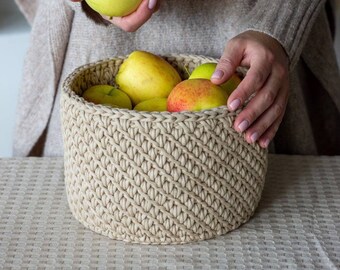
<point>63,38</point>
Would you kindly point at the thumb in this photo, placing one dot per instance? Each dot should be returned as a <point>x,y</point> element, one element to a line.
<point>230,60</point>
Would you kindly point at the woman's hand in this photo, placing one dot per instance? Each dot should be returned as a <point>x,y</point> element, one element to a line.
<point>135,20</point>
<point>267,78</point>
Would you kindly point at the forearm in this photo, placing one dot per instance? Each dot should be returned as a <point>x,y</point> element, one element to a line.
<point>289,22</point>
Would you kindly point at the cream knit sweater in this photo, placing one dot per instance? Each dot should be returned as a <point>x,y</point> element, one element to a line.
<point>63,38</point>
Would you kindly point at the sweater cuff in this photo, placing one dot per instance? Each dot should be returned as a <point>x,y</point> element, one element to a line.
<point>289,23</point>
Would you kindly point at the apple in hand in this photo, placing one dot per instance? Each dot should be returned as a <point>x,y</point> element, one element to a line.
<point>144,75</point>
<point>114,8</point>
<point>206,70</point>
<point>152,105</point>
<point>196,95</point>
<point>107,95</point>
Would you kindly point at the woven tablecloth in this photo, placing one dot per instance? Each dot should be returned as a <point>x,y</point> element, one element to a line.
<point>296,226</point>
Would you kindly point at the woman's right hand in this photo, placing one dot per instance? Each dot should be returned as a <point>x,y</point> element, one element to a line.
<point>135,20</point>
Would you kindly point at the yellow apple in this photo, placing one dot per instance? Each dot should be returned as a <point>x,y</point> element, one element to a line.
<point>152,105</point>
<point>206,70</point>
<point>144,75</point>
<point>196,95</point>
<point>114,8</point>
<point>107,95</point>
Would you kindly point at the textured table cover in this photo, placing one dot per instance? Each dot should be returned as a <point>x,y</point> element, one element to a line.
<point>296,226</point>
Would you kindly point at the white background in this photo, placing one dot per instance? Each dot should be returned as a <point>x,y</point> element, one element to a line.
<point>14,40</point>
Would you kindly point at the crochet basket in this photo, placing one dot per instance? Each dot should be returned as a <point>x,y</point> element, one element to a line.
<point>156,177</point>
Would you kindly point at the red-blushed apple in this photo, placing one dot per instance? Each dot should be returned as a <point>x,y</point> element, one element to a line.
<point>196,95</point>
<point>107,95</point>
<point>114,8</point>
<point>206,70</point>
<point>152,105</point>
<point>144,75</point>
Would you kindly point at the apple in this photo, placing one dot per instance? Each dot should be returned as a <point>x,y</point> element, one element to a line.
<point>196,95</point>
<point>152,105</point>
<point>206,70</point>
<point>114,8</point>
<point>144,75</point>
<point>203,71</point>
<point>107,95</point>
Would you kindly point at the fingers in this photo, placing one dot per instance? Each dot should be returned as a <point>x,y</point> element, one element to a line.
<point>135,20</point>
<point>230,60</point>
<point>259,103</point>
<point>270,133</point>
<point>265,86</point>
<point>243,52</point>
<point>267,136</point>
<point>254,80</point>
<point>264,120</point>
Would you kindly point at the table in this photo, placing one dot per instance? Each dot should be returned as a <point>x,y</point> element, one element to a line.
<point>296,226</point>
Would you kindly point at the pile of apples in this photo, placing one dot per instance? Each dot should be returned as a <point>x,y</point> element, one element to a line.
<point>147,82</point>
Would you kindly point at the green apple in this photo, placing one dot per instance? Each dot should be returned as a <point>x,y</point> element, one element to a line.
<point>114,8</point>
<point>144,75</point>
<point>152,105</point>
<point>203,71</point>
<point>206,70</point>
<point>107,95</point>
<point>196,95</point>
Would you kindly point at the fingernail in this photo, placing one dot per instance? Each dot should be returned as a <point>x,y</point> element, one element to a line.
<point>243,126</point>
<point>254,137</point>
<point>234,104</point>
<point>265,143</point>
<point>152,4</point>
<point>218,74</point>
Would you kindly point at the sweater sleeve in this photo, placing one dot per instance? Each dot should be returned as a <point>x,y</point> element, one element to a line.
<point>288,21</point>
<point>41,72</point>
<point>28,8</point>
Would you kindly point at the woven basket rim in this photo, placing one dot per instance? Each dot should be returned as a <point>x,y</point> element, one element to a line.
<point>221,111</point>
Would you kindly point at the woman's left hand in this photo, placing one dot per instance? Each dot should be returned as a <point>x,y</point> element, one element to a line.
<point>267,79</point>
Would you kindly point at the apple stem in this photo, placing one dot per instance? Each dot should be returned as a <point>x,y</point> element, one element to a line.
<point>110,93</point>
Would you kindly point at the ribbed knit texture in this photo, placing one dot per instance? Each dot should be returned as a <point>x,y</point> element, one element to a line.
<point>41,72</point>
<point>289,22</point>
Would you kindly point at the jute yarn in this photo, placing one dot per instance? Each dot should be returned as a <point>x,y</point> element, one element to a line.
<point>156,177</point>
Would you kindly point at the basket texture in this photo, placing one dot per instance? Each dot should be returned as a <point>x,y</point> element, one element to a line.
<point>156,177</point>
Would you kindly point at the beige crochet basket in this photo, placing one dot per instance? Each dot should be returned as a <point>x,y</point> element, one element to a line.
<point>156,177</point>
